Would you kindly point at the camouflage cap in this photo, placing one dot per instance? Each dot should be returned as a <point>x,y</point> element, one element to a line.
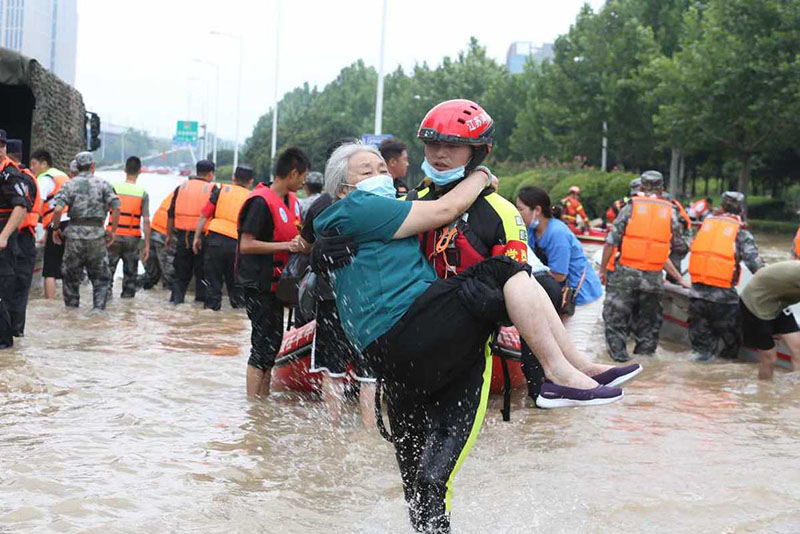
<point>652,180</point>
<point>732,201</point>
<point>636,183</point>
<point>73,166</point>
<point>315,177</point>
<point>84,158</point>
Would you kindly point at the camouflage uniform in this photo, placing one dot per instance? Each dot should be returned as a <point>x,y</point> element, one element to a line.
<point>633,297</point>
<point>714,311</point>
<point>159,263</point>
<point>125,248</point>
<point>89,199</point>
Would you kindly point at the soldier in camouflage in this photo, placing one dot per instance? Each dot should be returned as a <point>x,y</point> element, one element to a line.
<point>633,296</point>
<point>89,199</point>
<point>714,311</point>
<point>159,263</point>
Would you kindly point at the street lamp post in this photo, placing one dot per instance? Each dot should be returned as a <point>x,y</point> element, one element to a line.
<point>274,144</point>
<point>239,92</point>
<point>216,106</point>
<point>379,92</point>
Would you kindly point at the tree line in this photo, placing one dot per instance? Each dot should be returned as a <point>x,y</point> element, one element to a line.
<point>694,88</point>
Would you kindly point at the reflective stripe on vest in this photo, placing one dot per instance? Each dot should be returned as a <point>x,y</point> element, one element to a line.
<point>159,222</point>
<point>32,218</point>
<point>645,245</point>
<point>713,258</point>
<point>226,214</point>
<point>131,197</point>
<point>192,198</point>
<point>48,207</point>
<point>286,221</point>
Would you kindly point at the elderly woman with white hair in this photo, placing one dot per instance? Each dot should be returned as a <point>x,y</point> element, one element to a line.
<point>424,337</point>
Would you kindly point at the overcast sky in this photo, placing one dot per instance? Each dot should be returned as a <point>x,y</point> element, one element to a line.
<point>136,59</point>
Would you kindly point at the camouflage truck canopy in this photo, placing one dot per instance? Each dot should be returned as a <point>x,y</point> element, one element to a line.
<point>39,108</point>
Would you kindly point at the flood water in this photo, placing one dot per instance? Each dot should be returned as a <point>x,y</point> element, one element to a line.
<point>135,420</point>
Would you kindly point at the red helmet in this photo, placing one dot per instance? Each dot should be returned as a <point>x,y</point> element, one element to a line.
<point>457,122</point>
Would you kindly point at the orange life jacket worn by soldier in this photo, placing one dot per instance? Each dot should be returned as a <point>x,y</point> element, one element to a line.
<point>159,222</point>
<point>131,198</point>
<point>192,197</point>
<point>646,243</point>
<point>226,214</point>
<point>713,259</point>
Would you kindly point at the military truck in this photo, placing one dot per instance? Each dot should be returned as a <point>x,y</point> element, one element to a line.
<point>42,110</point>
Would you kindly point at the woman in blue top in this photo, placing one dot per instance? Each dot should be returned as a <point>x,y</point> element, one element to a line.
<point>425,338</point>
<point>558,247</point>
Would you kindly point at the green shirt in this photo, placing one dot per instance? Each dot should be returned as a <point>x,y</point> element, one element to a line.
<point>772,289</point>
<point>386,275</point>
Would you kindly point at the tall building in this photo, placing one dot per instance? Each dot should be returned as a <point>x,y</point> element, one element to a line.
<point>519,51</point>
<point>45,30</point>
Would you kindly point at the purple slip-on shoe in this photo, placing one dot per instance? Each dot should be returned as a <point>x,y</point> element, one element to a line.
<point>555,396</point>
<point>618,375</point>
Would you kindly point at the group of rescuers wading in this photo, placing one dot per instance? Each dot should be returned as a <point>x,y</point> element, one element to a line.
<point>418,286</point>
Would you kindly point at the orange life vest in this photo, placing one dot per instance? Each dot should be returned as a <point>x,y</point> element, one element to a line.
<point>131,197</point>
<point>797,244</point>
<point>687,221</point>
<point>159,222</point>
<point>713,258</point>
<point>47,203</point>
<point>5,213</point>
<point>645,245</point>
<point>193,195</point>
<point>286,222</point>
<point>226,214</point>
<point>32,218</point>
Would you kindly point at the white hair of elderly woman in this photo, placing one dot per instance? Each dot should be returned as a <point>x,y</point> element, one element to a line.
<point>336,168</point>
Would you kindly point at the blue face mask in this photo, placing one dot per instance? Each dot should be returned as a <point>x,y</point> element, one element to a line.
<point>534,224</point>
<point>442,177</point>
<point>381,185</point>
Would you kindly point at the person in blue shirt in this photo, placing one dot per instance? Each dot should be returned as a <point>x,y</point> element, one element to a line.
<point>559,249</point>
<point>425,337</point>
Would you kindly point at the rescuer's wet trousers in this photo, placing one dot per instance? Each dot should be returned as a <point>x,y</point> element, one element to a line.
<point>186,264</point>
<point>25,258</point>
<point>220,260</point>
<point>437,373</point>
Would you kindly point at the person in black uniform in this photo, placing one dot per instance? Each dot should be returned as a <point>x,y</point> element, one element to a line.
<point>13,207</point>
<point>188,200</point>
<point>25,258</point>
<point>220,256</point>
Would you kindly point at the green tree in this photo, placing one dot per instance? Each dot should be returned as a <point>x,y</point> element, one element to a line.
<point>594,78</point>
<point>734,85</point>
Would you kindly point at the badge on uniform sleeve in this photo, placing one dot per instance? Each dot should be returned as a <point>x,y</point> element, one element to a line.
<point>284,216</point>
